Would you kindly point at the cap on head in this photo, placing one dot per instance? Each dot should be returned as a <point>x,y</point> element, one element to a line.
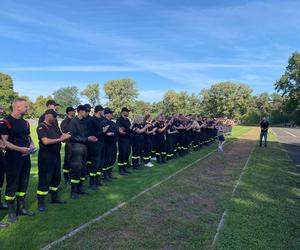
<point>124,109</point>
<point>70,109</point>
<point>51,102</point>
<point>81,108</point>
<point>51,112</point>
<point>88,107</point>
<point>98,108</point>
<point>107,111</point>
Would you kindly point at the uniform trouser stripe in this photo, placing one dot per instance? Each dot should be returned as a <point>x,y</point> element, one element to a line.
<point>39,192</point>
<point>9,198</point>
<point>20,194</point>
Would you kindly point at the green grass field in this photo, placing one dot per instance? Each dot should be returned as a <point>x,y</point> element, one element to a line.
<point>265,211</point>
<point>263,214</point>
<point>43,228</point>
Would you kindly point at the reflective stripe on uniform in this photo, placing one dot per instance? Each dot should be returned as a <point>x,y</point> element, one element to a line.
<point>20,194</point>
<point>39,192</point>
<point>75,181</point>
<point>9,198</point>
<point>53,188</point>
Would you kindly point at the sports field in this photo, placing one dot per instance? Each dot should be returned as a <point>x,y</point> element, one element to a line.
<point>244,198</point>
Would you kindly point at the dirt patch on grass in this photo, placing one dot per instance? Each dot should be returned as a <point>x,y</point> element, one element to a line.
<point>182,213</point>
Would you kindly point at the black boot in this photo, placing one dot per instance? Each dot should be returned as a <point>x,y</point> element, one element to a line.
<point>106,176</point>
<point>93,185</point>
<point>74,194</point>
<point>163,159</point>
<point>110,175</point>
<point>80,189</point>
<point>158,159</point>
<point>12,216</point>
<point>67,179</point>
<point>2,206</point>
<point>121,170</point>
<point>98,180</point>
<point>41,203</point>
<point>21,208</point>
<point>126,169</point>
<point>56,199</point>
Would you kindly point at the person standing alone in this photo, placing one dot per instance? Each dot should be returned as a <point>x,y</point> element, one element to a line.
<point>264,125</point>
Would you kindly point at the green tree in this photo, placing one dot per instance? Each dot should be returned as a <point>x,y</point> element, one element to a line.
<point>67,96</point>
<point>120,93</point>
<point>7,93</point>
<point>226,99</point>
<point>181,102</point>
<point>92,93</point>
<point>262,103</point>
<point>289,86</point>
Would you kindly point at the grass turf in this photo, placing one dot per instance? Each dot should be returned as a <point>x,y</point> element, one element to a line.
<point>265,210</point>
<point>35,232</point>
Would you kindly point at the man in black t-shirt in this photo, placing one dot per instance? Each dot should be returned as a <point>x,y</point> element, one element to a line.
<point>49,161</point>
<point>264,125</point>
<point>19,146</point>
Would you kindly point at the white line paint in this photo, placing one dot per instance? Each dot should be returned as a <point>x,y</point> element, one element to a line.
<point>290,133</point>
<point>83,226</point>
<point>222,221</point>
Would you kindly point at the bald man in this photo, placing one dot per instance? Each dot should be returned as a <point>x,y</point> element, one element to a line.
<point>18,144</point>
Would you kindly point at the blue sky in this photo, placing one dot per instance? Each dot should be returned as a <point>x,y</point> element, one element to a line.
<point>171,44</point>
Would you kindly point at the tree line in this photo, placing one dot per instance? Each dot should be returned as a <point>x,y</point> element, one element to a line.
<point>225,99</point>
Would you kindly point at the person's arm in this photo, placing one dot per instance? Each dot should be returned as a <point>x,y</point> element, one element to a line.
<point>11,146</point>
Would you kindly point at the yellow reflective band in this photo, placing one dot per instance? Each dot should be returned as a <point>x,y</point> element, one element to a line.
<point>163,153</point>
<point>88,162</point>
<point>105,169</point>
<point>82,178</point>
<point>66,171</point>
<point>20,194</point>
<point>153,151</point>
<point>146,158</point>
<point>135,157</point>
<point>157,153</point>
<point>41,192</point>
<point>120,164</point>
<point>74,181</point>
<point>99,173</point>
<point>92,174</point>
<point>53,188</point>
<point>9,198</point>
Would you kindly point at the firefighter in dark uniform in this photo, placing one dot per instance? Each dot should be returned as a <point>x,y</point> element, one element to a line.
<point>95,128</point>
<point>124,145</point>
<point>110,145</point>
<point>171,139</point>
<point>65,128</point>
<point>50,104</point>
<point>160,142</point>
<point>180,127</point>
<point>16,137</point>
<point>148,141</point>
<point>138,130</point>
<point>79,139</point>
<point>88,156</point>
<point>49,161</point>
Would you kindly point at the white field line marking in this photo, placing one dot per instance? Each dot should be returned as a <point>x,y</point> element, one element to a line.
<point>109,212</point>
<point>221,223</point>
<point>287,132</point>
